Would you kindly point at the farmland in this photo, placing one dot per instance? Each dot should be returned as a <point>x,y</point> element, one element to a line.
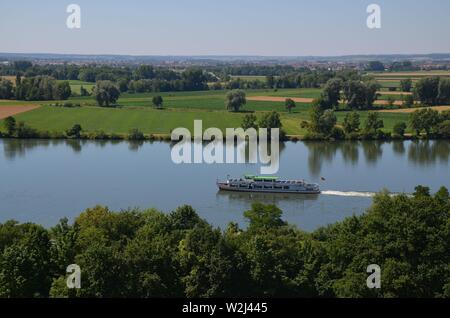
<point>392,79</point>
<point>180,109</point>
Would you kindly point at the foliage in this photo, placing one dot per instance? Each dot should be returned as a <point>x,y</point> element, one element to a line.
<point>444,91</point>
<point>427,90</point>
<point>74,132</point>
<point>106,93</point>
<point>424,120</point>
<point>42,87</point>
<point>157,101</point>
<point>147,253</point>
<point>321,122</point>
<point>360,95</point>
<point>289,104</point>
<point>249,121</point>
<point>373,124</point>
<point>135,134</point>
<point>351,123</point>
<point>406,85</point>
<point>10,125</point>
<point>6,89</point>
<point>399,129</point>
<point>235,100</point>
<point>331,94</point>
<point>408,101</point>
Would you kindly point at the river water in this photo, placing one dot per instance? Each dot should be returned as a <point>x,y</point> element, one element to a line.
<point>43,181</point>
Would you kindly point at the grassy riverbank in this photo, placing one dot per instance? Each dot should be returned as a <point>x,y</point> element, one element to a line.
<point>135,111</point>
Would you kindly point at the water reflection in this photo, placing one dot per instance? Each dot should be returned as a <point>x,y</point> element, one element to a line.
<point>318,153</point>
<point>267,198</point>
<point>426,153</point>
<point>422,153</point>
<point>32,188</point>
<point>373,151</point>
<point>220,152</point>
<point>398,147</point>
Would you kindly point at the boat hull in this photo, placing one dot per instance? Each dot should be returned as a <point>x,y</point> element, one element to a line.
<point>226,187</point>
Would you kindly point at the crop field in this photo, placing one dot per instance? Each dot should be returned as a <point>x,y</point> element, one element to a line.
<point>392,79</point>
<point>205,100</point>
<point>10,78</point>
<point>6,111</point>
<point>148,120</point>
<point>75,86</point>
<point>249,77</point>
<point>180,110</point>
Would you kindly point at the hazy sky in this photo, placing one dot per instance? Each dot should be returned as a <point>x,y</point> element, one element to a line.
<point>225,27</point>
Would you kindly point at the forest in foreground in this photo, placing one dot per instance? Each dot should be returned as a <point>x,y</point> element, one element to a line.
<point>146,253</point>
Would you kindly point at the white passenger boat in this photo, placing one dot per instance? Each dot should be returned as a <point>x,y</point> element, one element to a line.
<point>250,183</point>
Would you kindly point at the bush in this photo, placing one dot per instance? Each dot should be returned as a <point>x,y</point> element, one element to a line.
<point>74,132</point>
<point>399,129</point>
<point>24,131</point>
<point>97,135</point>
<point>337,133</point>
<point>135,134</point>
<point>444,129</point>
<point>408,101</point>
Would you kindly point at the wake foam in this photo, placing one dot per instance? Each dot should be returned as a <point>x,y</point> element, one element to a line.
<point>350,194</point>
<point>358,194</point>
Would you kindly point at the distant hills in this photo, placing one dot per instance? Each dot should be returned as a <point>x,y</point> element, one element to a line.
<point>48,57</point>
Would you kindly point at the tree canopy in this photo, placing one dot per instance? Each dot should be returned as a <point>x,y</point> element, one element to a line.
<point>136,253</point>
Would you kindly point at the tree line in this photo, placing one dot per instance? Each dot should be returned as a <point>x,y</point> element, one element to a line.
<point>424,123</point>
<point>147,253</point>
<point>35,88</point>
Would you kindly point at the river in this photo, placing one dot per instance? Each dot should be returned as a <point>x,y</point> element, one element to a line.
<point>43,181</point>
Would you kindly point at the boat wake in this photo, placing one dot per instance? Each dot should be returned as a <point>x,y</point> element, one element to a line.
<point>350,194</point>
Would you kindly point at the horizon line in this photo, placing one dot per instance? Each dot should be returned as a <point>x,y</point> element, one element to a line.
<point>226,55</point>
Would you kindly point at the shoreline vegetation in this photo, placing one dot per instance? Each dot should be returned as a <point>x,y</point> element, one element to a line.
<point>321,126</point>
<point>147,253</point>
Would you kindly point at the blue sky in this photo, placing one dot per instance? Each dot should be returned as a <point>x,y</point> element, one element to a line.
<point>225,27</point>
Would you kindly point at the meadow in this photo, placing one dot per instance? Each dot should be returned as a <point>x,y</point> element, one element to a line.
<point>76,85</point>
<point>180,110</point>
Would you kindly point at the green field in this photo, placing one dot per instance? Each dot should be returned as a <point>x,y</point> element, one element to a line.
<point>180,110</point>
<point>75,86</point>
<point>208,100</point>
<point>148,120</point>
<point>249,77</point>
<point>392,79</point>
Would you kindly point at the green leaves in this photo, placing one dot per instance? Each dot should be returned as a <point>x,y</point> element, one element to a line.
<point>151,254</point>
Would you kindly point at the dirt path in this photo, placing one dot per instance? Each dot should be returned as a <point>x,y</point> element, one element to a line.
<point>394,93</point>
<point>6,111</point>
<point>411,110</point>
<point>305,100</point>
<point>279,99</point>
